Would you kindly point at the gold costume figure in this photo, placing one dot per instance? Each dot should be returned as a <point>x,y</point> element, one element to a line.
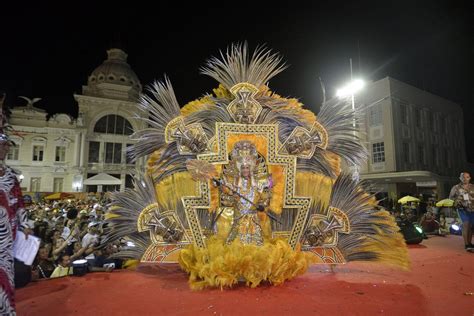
<point>245,197</point>
<point>271,161</point>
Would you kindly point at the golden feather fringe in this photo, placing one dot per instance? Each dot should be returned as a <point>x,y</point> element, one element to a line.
<point>316,186</point>
<point>171,189</point>
<point>221,265</point>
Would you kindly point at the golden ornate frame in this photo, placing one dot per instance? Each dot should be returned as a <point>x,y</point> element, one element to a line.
<point>220,156</point>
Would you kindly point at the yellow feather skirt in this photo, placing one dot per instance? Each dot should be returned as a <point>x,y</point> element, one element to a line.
<point>221,265</point>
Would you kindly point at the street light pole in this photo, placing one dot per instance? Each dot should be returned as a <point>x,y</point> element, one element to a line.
<point>356,168</point>
<point>352,94</point>
<point>351,89</point>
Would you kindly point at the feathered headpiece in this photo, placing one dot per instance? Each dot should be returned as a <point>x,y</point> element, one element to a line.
<point>3,121</point>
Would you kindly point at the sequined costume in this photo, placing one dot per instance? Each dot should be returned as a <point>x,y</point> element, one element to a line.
<point>246,194</point>
<point>12,217</point>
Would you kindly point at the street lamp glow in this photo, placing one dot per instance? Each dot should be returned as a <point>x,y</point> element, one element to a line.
<point>351,88</point>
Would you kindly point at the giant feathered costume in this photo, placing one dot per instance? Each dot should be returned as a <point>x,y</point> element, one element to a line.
<point>245,185</point>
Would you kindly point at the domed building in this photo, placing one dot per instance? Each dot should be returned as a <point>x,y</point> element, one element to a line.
<point>107,107</point>
<point>114,78</point>
<point>87,154</point>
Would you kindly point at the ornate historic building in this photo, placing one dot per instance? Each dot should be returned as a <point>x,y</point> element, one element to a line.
<point>84,154</point>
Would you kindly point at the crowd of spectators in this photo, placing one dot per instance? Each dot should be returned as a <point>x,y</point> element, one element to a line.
<point>69,230</point>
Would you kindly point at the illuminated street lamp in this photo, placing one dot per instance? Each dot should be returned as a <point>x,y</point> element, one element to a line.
<point>350,89</point>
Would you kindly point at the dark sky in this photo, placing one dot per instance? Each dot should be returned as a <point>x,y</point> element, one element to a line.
<point>48,51</point>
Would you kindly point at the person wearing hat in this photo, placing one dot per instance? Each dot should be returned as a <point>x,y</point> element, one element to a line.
<point>13,217</point>
<point>92,236</point>
<point>91,239</point>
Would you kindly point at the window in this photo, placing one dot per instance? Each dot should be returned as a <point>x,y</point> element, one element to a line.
<point>446,125</point>
<point>13,153</point>
<point>406,152</point>
<point>442,125</point>
<point>446,157</point>
<point>404,112</point>
<point>60,154</point>
<point>113,153</point>
<point>38,151</point>
<point>430,120</point>
<point>94,148</point>
<point>421,155</point>
<point>418,117</point>
<point>58,184</point>
<point>434,154</point>
<point>378,152</point>
<point>375,117</point>
<point>113,124</point>
<point>35,184</point>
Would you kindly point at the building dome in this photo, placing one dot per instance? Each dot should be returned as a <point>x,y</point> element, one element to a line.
<point>115,70</point>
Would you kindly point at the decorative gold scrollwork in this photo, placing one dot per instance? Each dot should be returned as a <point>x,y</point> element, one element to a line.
<point>302,143</point>
<point>323,231</point>
<point>164,227</point>
<point>244,108</point>
<point>191,139</point>
<point>221,156</point>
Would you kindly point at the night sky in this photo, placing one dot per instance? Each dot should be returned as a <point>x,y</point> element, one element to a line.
<point>48,51</point>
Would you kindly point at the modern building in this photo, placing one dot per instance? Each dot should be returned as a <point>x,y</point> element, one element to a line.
<point>415,140</point>
<point>62,154</point>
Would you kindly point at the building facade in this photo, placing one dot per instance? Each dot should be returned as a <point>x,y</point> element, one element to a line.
<point>415,140</point>
<point>63,154</point>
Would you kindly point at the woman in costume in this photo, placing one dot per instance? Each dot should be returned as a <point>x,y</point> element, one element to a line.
<point>12,217</point>
<point>250,196</point>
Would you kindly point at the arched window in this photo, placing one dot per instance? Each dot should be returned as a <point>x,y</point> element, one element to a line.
<point>113,124</point>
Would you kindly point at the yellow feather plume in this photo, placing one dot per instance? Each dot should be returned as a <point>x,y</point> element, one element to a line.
<point>221,265</point>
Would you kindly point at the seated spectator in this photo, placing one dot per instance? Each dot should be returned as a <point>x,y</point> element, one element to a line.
<point>443,226</point>
<point>429,223</point>
<point>92,236</point>
<point>43,266</point>
<point>64,267</point>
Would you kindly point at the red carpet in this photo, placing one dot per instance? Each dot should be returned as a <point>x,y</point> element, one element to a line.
<point>442,272</point>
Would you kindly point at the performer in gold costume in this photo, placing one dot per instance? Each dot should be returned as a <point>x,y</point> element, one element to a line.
<point>249,194</point>
<point>243,184</point>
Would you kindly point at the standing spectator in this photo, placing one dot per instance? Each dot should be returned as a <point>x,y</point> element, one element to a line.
<point>463,196</point>
<point>12,217</point>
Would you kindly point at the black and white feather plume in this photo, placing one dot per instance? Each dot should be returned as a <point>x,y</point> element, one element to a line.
<point>156,110</point>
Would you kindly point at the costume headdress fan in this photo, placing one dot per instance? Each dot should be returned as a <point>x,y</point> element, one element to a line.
<point>296,208</point>
<point>3,121</point>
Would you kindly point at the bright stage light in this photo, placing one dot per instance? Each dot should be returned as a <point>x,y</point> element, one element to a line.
<point>351,88</point>
<point>455,227</point>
